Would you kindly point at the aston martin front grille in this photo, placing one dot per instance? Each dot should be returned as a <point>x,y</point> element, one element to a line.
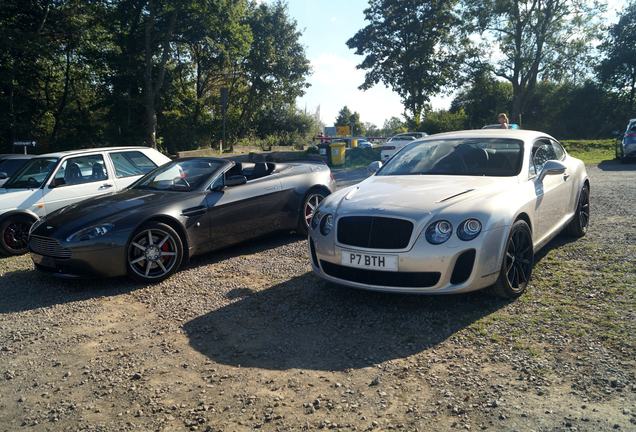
<point>374,232</point>
<point>381,278</point>
<point>48,247</point>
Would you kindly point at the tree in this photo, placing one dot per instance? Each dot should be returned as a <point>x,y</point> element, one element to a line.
<point>412,46</point>
<point>444,121</point>
<point>483,99</point>
<point>352,119</point>
<point>393,126</point>
<point>538,39</point>
<point>618,68</point>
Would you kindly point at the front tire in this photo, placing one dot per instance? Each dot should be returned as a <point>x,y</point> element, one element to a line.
<point>516,268</point>
<point>311,202</point>
<point>154,252</point>
<point>14,235</point>
<point>578,225</point>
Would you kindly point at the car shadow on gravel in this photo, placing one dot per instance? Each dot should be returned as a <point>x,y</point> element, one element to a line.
<point>308,324</point>
<point>25,290</point>
<point>615,165</point>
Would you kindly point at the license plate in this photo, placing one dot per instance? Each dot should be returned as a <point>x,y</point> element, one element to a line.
<point>43,261</point>
<point>369,261</point>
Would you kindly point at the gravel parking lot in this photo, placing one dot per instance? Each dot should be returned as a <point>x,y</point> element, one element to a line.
<point>249,339</point>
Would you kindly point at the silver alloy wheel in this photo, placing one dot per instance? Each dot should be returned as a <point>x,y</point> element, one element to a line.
<point>152,253</point>
<point>311,204</point>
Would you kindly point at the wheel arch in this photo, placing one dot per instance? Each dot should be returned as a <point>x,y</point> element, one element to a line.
<point>18,212</point>
<point>524,217</point>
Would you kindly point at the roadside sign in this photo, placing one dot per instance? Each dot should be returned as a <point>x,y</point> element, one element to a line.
<point>343,130</point>
<point>330,130</point>
<point>24,145</point>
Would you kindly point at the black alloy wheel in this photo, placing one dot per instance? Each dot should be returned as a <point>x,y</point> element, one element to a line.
<point>518,261</point>
<point>578,225</point>
<point>14,235</point>
<point>154,252</point>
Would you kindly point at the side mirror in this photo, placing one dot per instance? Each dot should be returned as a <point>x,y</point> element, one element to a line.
<point>3,176</point>
<point>56,182</point>
<point>552,167</point>
<point>374,167</point>
<point>235,180</point>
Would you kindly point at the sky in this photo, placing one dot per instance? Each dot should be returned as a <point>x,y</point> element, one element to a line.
<point>326,27</point>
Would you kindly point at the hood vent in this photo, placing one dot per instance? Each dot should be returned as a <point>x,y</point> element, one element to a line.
<point>456,195</point>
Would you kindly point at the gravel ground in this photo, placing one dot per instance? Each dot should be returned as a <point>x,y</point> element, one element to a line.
<point>249,339</point>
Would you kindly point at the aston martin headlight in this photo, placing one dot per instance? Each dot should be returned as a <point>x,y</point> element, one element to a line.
<point>35,225</point>
<point>90,233</point>
<point>326,225</point>
<point>469,229</point>
<point>438,232</point>
<point>315,220</point>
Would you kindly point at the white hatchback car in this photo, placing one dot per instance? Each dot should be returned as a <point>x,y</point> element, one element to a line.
<point>52,181</point>
<point>397,142</point>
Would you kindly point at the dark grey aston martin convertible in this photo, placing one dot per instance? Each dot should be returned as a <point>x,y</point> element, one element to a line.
<point>180,209</point>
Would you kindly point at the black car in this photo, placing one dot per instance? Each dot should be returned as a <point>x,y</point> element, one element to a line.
<point>11,163</point>
<point>186,207</point>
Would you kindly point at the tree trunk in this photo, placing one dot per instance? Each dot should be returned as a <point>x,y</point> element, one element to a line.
<point>60,109</point>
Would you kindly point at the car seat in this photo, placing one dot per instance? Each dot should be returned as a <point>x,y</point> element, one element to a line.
<point>260,170</point>
<point>72,174</point>
<point>98,172</point>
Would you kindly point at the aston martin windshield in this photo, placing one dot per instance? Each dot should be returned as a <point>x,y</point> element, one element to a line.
<point>462,156</point>
<point>32,175</point>
<point>185,175</point>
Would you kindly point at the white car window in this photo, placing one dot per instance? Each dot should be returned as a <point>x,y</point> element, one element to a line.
<point>81,169</point>
<point>131,163</point>
<point>542,151</point>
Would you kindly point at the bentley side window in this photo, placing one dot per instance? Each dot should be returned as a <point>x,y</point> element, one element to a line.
<point>542,152</point>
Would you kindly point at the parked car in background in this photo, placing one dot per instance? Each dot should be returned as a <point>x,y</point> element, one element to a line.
<point>626,144</point>
<point>397,142</point>
<point>49,182</point>
<point>10,163</point>
<point>187,207</point>
<point>363,143</point>
<point>452,213</point>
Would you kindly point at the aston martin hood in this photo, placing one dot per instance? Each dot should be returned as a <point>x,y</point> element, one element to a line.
<point>413,196</point>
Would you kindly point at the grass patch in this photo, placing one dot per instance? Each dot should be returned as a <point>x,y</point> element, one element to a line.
<point>591,151</point>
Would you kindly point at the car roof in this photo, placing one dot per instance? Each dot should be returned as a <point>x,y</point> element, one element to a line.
<point>522,134</point>
<point>91,150</point>
<point>16,156</point>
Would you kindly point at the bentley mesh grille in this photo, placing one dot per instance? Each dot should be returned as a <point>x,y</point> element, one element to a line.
<point>374,232</point>
<point>381,278</point>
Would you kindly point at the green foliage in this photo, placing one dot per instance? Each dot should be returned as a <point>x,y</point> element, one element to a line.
<point>84,73</point>
<point>348,118</point>
<point>618,68</point>
<point>483,99</point>
<point>411,46</point>
<point>393,126</point>
<point>444,121</point>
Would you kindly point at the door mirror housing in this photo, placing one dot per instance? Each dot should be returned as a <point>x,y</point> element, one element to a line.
<point>374,167</point>
<point>235,180</point>
<point>56,182</point>
<point>3,176</point>
<point>552,167</point>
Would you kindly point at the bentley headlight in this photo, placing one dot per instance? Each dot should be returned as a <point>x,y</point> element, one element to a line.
<point>438,232</point>
<point>90,233</point>
<point>315,219</point>
<point>469,229</point>
<point>326,225</point>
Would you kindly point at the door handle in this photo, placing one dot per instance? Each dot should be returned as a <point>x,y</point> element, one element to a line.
<point>566,177</point>
<point>106,186</point>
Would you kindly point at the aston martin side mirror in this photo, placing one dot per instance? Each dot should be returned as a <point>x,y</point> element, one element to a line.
<point>3,176</point>
<point>374,167</point>
<point>552,167</point>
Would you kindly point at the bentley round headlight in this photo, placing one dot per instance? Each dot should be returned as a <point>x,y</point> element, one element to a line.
<point>326,225</point>
<point>90,233</point>
<point>438,232</point>
<point>469,229</point>
<point>315,220</point>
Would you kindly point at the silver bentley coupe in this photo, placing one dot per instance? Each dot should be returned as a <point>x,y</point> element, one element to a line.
<point>452,213</point>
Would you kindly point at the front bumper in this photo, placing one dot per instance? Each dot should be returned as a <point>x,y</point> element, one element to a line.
<point>82,260</point>
<point>453,267</point>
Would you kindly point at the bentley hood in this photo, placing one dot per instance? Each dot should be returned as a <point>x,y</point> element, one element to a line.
<point>415,196</point>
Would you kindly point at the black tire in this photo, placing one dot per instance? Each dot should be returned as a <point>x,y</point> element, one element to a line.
<point>516,267</point>
<point>155,252</point>
<point>14,235</point>
<point>310,203</point>
<point>578,225</point>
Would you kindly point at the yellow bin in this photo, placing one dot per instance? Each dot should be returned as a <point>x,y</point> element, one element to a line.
<point>354,142</point>
<point>338,153</point>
